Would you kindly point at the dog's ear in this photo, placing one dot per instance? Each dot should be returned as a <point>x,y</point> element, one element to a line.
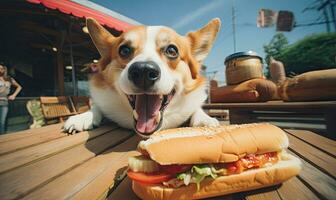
<point>101,38</point>
<point>201,42</point>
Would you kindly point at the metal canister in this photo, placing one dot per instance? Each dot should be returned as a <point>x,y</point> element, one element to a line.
<point>243,66</point>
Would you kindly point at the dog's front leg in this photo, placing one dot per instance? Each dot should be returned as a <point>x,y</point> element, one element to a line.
<point>84,121</point>
<point>200,118</point>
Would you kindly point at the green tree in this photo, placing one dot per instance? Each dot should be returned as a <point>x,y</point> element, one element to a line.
<point>314,52</point>
<point>274,48</point>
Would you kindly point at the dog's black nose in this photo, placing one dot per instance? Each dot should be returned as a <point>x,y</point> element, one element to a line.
<point>144,74</point>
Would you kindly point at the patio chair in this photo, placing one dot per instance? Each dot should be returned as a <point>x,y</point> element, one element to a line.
<point>57,108</point>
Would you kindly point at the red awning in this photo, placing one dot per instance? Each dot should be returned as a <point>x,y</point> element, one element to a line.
<point>78,10</point>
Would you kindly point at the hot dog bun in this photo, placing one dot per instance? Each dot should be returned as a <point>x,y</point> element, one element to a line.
<point>248,180</point>
<point>213,144</point>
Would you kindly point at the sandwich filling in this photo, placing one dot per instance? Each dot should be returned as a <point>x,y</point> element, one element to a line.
<point>143,169</point>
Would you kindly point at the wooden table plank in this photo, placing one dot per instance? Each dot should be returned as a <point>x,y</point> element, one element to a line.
<point>34,139</point>
<point>320,182</point>
<point>30,132</point>
<point>25,156</point>
<point>91,179</point>
<point>101,185</point>
<point>26,179</point>
<point>320,159</point>
<point>315,140</point>
<point>295,189</point>
<point>264,196</point>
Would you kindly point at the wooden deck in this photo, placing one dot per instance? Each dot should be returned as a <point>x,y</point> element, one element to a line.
<point>47,164</point>
<point>319,116</point>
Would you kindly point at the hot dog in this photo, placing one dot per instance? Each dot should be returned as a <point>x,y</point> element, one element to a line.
<point>194,163</point>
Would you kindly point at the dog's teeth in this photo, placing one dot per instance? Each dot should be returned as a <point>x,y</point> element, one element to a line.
<point>135,114</point>
<point>158,118</point>
<point>161,96</point>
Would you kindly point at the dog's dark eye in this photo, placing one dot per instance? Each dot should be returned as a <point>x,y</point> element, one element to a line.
<point>171,51</point>
<point>125,51</point>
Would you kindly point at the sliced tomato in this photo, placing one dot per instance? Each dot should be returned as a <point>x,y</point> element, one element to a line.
<point>175,169</point>
<point>231,168</point>
<point>235,167</point>
<point>149,178</point>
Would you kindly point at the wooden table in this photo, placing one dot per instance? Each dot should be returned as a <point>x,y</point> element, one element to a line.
<point>315,112</point>
<point>47,164</point>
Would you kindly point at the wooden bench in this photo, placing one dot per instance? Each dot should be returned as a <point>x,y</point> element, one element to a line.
<point>45,163</point>
<point>319,116</point>
<point>57,108</point>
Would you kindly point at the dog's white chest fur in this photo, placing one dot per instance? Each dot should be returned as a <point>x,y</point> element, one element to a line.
<point>113,106</point>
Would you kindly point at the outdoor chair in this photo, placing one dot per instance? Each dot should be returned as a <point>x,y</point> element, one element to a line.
<point>57,108</point>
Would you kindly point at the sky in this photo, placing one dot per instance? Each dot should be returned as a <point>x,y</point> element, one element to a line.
<point>189,15</point>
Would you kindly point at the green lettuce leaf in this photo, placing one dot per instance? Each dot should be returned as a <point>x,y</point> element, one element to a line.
<point>181,176</point>
<point>198,174</point>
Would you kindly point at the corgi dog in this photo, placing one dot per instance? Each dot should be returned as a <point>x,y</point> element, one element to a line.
<point>148,79</point>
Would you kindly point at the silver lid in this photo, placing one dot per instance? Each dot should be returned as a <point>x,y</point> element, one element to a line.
<point>242,54</point>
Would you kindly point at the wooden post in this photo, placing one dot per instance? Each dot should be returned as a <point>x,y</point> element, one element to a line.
<point>60,73</point>
<point>73,71</point>
<point>60,64</point>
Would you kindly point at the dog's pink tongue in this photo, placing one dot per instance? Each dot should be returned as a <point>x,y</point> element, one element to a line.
<point>147,107</point>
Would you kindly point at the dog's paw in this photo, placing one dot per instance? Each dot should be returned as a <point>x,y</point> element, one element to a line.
<point>79,122</point>
<point>200,118</point>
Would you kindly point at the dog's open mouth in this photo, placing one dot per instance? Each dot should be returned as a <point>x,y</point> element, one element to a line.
<point>148,111</point>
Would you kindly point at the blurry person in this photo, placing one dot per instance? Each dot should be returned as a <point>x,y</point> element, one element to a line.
<point>5,84</point>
